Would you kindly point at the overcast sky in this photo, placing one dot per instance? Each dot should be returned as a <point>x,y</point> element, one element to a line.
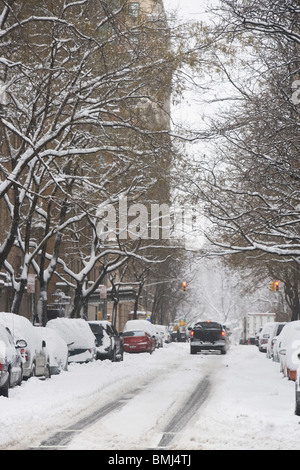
<point>190,9</point>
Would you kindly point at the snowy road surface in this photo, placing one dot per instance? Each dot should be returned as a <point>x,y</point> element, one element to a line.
<point>167,400</point>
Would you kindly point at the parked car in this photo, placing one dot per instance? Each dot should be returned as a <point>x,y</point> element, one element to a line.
<point>109,343</point>
<point>264,336</point>
<point>164,333</point>
<point>289,349</point>
<point>78,336</point>
<point>208,335</point>
<point>273,338</point>
<point>57,349</point>
<point>144,340</point>
<point>297,393</point>
<point>180,336</point>
<point>257,335</point>
<point>159,342</point>
<point>11,365</point>
<point>138,341</point>
<point>36,361</point>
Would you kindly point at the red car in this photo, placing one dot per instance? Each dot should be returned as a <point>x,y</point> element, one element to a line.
<point>138,341</point>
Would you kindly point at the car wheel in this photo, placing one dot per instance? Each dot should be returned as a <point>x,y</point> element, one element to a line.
<point>4,389</point>
<point>120,356</point>
<point>193,350</point>
<point>113,355</point>
<point>47,372</point>
<point>297,407</point>
<point>32,373</point>
<point>21,377</point>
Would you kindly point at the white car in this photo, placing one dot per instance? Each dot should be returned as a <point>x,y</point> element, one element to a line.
<point>297,393</point>
<point>57,349</point>
<point>78,336</point>
<point>264,336</point>
<point>11,367</point>
<point>165,334</point>
<point>109,343</point>
<point>273,338</point>
<point>288,343</point>
<point>35,356</point>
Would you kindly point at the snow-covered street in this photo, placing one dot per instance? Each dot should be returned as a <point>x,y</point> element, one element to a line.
<point>246,404</point>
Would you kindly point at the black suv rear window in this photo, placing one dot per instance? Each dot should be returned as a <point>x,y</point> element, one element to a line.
<point>208,325</point>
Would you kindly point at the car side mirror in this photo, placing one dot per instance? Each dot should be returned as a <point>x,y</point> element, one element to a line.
<point>21,344</point>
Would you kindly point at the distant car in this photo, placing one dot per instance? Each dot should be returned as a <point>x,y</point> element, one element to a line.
<point>35,355</point>
<point>179,336</point>
<point>264,336</point>
<point>57,349</point>
<point>164,333</point>
<point>136,341</point>
<point>208,336</point>
<point>109,343</point>
<point>78,336</point>
<point>11,365</point>
<point>273,338</point>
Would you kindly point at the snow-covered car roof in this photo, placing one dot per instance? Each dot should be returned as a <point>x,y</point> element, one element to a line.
<point>73,330</point>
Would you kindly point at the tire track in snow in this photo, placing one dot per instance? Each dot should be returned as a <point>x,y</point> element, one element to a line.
<point>180,420</point>
<point>63,437</point>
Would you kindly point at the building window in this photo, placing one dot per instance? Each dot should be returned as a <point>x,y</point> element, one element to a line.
<point>134,9</point>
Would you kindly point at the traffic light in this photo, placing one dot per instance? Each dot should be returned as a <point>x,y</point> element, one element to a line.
<point>184,284</point>
<point>274,286</point>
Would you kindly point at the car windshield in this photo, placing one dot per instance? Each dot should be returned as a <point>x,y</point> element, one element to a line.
<point>3,337</point>
<point>134,333</point>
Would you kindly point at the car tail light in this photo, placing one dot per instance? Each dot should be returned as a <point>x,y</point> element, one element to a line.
<point>223,333</point>
<point>1,366</point>
<point>24,354</point>
<point>192,333</point>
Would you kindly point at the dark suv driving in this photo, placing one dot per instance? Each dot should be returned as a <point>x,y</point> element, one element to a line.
<point>208,335</point>
<point>109,343</point>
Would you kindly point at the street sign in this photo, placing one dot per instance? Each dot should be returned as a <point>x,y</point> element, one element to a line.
<point>103,292</point>
<point>31,283</point>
